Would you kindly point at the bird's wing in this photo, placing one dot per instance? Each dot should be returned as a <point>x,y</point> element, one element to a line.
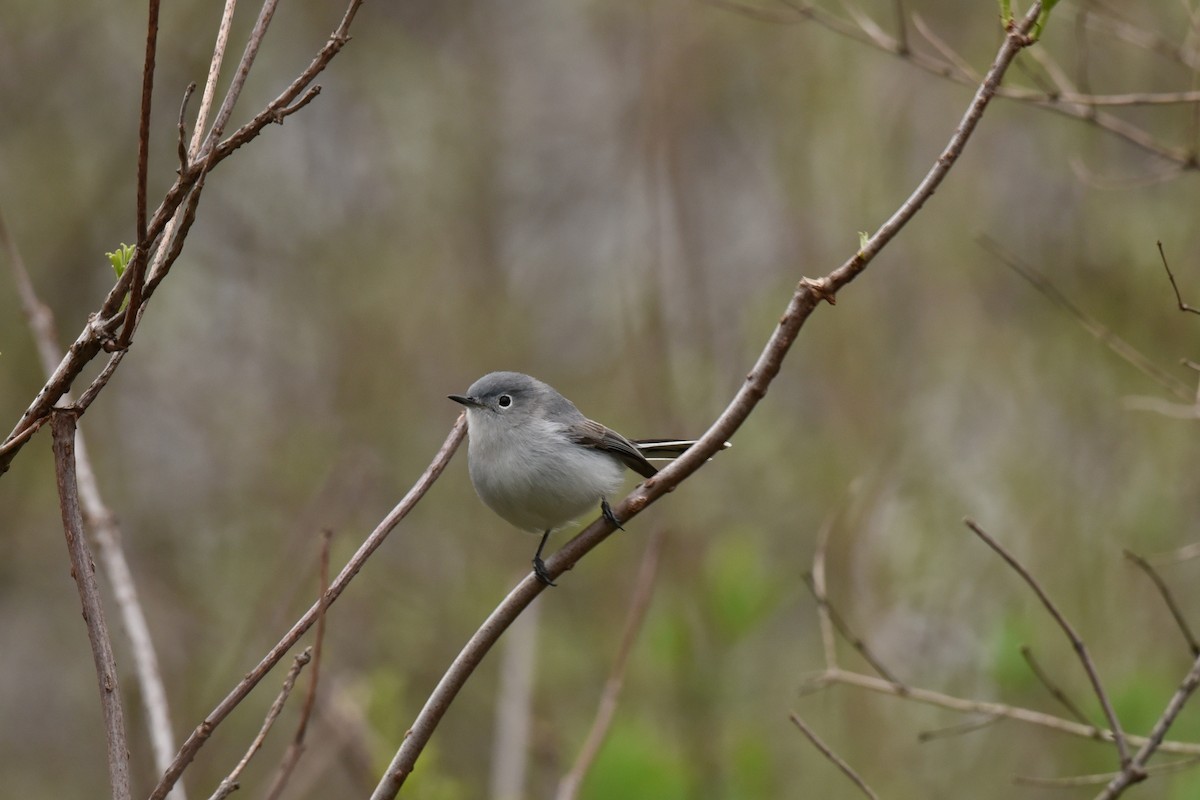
<point>592,434</point>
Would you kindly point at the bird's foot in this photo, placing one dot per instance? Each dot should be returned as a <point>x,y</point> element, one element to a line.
<point>540,571</point>
<point>607,512</point>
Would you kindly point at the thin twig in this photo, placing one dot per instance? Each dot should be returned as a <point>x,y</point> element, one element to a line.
<point>1016,713</point>
<point>1057,693</point>
<point>1071,104</point>
<point>1112,341</point>
<point>858,644</point>
<point>833,757</point>
<point>957,730</point>
<point>817,586</point>
<point>200,735</point>
<point>230,784</point>
<point>803,301</point>
<point>1077,643</point>
<point>643,592</point>
<point>1178,297</point>
<point>1096,780</point>
<point>138,267</point>
<point>296,749</point>
<point>62,424</point>
<point>1135,770</point>
<point>1169,599</point>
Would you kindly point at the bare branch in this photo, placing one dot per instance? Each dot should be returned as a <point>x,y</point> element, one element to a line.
<point>200,735</point>
<point>62,425</point>
<point>1103,778</point>
<point>957,730</point>
<point>1169,599</point>
<point>296,749</point>
<point>1076,642</point>
<point>1051,687</point>
<point>138,267</point>
<point>1025,715</point>
<point>858,644</point>
<point>643,592</point>
<point>1135,770</point>
<point>103,525</point>
<point>817,587</point>
<point>832,756</point>
<point>1178,297</point>
<point>230,784</point>
<point>1112,341</point>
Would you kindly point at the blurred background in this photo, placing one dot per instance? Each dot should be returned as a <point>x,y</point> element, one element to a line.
<point>619,198</point>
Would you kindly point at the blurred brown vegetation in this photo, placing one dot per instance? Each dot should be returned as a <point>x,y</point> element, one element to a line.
<point>616,197</point>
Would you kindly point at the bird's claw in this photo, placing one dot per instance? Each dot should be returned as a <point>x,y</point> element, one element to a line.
<point>541,573</point>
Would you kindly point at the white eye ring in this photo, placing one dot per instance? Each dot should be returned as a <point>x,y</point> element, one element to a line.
<point>504,401</point>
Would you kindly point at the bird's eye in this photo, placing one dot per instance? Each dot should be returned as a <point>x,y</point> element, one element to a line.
<point>504,401</point>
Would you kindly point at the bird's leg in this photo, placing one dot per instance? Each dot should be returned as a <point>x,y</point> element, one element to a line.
<point>607,512</point>
<point>539,566</point>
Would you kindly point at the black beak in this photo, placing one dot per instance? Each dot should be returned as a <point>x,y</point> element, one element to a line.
<point>469,402</point>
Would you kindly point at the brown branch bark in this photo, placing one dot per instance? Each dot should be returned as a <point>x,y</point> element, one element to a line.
<point>62,425</point>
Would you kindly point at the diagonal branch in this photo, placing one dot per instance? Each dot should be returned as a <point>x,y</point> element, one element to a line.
<point>1135,770</point>
<point>204,730</point>
<point>1165,592</point>
<point>833,757</point>
<point>1077,643</point>
<point>230,784</point>
<point>804,300</point>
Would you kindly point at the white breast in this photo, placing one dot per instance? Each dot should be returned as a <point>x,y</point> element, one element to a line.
<point>536,478</point>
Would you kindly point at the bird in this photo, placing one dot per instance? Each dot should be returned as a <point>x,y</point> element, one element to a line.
<point>539,463</point>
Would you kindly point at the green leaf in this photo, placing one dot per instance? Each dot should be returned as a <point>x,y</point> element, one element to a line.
<point>120,259</point>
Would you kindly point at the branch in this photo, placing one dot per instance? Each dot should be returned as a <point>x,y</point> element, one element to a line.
<point>1135,770</point>
<point>1057,693</point>
<point>100,330</point>
<point>1169,599</point>
<point>104,527</point>
<point>1178,297</point>
<point>1112,341</point>
<point>643,593</point>
<point>138,267</point>
<point>62,425</point>
<point>1025,715</point>
<point>805,299</point>
<point>829,613</point>
<point>832,756</point>
<point>230,784</point>
<point>296,749</point>
<point>200,735</point>
<point>1076,642</point>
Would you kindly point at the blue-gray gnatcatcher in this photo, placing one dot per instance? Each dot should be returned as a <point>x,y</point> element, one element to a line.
<point>539,463</point>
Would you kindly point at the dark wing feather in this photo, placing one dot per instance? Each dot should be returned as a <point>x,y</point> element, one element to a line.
<point>592,434</point>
